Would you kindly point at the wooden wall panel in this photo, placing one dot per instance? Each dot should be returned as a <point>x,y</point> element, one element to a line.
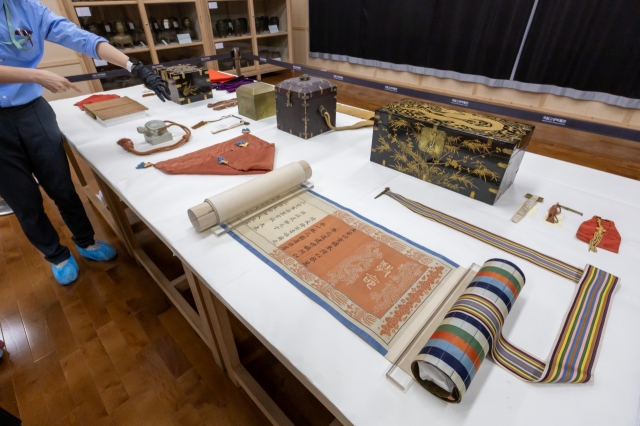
<point>301,48</point>
<point>447,85</point>
<point>348,68</point>
<point>401,77</point>
<point>300,13</point>
<point>510,96</point>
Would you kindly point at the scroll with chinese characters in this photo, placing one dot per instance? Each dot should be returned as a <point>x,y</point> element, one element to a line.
<point>380,285</point>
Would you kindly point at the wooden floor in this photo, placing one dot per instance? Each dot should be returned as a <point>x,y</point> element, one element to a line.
<point>617,156</point>
<point>108,350</point>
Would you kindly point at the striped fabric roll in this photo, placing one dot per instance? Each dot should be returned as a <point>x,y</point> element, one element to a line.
<point>448,362</point>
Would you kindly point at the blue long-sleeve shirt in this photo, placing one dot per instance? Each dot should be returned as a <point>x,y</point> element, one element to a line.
<point>45,25</point>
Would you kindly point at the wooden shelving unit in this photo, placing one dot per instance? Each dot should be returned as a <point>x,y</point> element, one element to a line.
<point>146,18</point>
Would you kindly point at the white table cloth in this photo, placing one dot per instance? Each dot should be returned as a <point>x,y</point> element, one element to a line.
<point>346,370</point>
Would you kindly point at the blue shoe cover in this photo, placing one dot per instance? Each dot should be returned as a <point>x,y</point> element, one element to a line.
<point>67,273</point>
<point>100,251</point>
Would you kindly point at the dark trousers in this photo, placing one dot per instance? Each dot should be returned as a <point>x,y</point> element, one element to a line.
<point>31,145</point>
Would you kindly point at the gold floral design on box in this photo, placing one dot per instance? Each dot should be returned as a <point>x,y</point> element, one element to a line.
<point>436,157</point>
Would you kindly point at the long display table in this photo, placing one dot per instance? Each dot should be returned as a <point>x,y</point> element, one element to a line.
<point>344,372</point>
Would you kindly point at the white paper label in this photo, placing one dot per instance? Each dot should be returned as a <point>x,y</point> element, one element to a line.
<point>155,25</point>
<point>83,11</point>
<point>230,25</point>
<point>219,45</point>
<point>175,24</point>
<point>107,28</point>
<point>100,63</point>
<point>166,25</point>
<point>165,42</point>
<point>131,25</point>
<point>184,38</point>
<point>213,5</point>
<point>273,29</point>
<point>277,59</point>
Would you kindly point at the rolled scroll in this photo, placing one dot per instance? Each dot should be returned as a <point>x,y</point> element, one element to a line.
<point>237,200</point>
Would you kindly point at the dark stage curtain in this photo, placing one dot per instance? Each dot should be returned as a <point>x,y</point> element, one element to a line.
<point>480,37</point>
<point>334,27</point>
<point>586,45</point>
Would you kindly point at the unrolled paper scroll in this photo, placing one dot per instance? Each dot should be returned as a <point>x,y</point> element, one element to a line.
<point>237,200</point>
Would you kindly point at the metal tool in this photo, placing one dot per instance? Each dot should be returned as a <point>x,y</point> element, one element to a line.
<point>540,200</point>
<point>241,123</point>
<point>204,123</point>
<point>526,207</point>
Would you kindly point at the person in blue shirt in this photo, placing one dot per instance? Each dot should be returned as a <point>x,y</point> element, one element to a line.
<point>30,140</point>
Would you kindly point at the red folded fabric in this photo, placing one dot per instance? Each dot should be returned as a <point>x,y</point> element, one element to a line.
<point>219,77</point>
<point>610,238</point>
<point>226,158</point>
<point>94,99</point>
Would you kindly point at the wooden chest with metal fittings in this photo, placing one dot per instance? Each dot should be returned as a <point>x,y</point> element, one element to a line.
<point>298,104</point>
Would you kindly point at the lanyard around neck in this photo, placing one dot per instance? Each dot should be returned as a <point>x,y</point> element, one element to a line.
<point>17,43</point>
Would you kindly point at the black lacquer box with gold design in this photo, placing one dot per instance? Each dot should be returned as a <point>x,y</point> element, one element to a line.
<point>187,83</point>
<point>472,154</point>
<point>298,103</point>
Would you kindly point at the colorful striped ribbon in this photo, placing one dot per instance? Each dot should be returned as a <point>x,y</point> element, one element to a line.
<point>549,263</point>
<point>473,328</point>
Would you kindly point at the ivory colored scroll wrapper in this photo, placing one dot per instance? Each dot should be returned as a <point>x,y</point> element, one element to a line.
<point>237,200</point>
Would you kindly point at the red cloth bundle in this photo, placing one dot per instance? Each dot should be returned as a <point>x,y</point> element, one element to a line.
<point>610,237</point>
<point>243,155</point>
<point>94,99</point>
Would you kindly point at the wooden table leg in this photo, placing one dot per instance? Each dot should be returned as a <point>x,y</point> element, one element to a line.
<point>86,188</point>
<point>123,228</point>
<point>219,320</point>
<point>204,313</point>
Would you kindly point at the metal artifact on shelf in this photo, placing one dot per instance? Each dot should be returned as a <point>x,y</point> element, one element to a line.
<point>472,154</point>
<point>121,38</point>
<point>274,20</point>
<point>168,34</point>
<point>187,29</point>
<point>264,23</point>
<point>95,28</point>
<point>259,25</point>
<point>222,27</point>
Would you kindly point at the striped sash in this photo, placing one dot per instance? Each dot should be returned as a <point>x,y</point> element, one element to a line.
<point>549,263</point>
<point>473,328</point>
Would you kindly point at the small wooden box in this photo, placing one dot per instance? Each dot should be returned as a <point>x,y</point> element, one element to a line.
<point>256,101</point>
<point>472,154</point>
<point>298,102</point>
<point>114,111</point>
<point>187,83</point>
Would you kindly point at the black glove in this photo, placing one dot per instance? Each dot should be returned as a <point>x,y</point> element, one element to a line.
<point>152,81</point>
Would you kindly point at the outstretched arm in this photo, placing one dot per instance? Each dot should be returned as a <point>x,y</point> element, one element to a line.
<point>52,82</point>
<point>112,55</point>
